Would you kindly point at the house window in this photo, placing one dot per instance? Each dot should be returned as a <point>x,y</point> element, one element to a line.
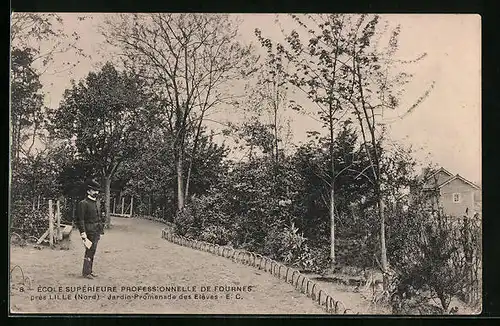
<point>456,197</point>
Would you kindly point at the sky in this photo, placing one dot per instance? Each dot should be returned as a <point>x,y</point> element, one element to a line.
<point>445,128</point>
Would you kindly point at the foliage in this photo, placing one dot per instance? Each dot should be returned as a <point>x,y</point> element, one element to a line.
<point>286,244</point>
<point>337,62</point>
<point>104,113</point>
<point>27,221</point>
<point>40,174</point>
<point>106,116</point>
<point>187,61</point>
<point>26,102</point>
<point>150,177</point>
<point>352,188</point>
<point>437,259</point>
<point>185,223</point>
<point>45,36</point>
<point>217,234</point>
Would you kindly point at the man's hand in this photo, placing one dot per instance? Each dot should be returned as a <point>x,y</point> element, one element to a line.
<point>83,235</point>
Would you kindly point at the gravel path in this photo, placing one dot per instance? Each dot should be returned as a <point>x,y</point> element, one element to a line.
<point>132,257</point>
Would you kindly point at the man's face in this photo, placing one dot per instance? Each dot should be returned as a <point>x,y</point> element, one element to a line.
<point>93,192</point>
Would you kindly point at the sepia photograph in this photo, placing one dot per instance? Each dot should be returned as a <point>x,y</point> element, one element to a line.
<point>245,164</point>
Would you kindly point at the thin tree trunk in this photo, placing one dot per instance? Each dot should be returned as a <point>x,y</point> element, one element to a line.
<point>375,162</point>
<point>18,145</point>
<point>33,138</point>
<point>332,227</point>
<point>332,191</point>
<point>276,107</point>
<point>383,248</point>
<point>107,196</point>
<point>180,181</point>
<point>193,153</point>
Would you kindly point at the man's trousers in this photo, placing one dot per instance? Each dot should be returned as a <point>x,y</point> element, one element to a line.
<point>88,259</point>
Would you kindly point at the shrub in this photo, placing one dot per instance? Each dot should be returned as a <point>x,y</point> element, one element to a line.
<point>287,245</point>
<point>185,223</point>
<point>28,222</point>
<point>216,234</point>
<point>432,264</point>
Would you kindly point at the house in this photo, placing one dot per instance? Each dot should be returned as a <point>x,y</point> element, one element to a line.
<point>453,194</point>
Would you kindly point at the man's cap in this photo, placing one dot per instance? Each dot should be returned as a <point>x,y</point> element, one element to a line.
<point>94,185</point>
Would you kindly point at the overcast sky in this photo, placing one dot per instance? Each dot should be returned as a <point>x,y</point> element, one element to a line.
<point>445,128</point>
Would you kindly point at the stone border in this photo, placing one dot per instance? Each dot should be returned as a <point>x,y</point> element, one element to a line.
<point>289,275</point>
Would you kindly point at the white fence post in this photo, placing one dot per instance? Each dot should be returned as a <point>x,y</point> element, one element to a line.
<point>51,224</point>
<point>131,206</point>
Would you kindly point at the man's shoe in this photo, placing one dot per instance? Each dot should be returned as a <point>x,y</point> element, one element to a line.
<point>88,276</point>
<point>93,275</point>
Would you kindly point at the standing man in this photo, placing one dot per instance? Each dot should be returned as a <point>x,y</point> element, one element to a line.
<point>89,222</point>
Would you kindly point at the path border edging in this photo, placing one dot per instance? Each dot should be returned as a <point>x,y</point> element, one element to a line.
<point>307,286</point>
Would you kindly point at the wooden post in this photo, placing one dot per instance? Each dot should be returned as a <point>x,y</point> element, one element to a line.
<point>131,206</point>
<point>123,204</point>
<point>51,224</point>
<point>114,205</point>
<point>58,221</point>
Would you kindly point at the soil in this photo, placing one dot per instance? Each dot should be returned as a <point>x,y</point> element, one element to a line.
<point>133,254</point>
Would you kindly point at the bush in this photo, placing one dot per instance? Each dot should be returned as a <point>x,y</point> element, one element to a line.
<point>287,245</point>
<point>216,234</point>
<point>28,222</point>
<point>185,223</point>
<point>433,263</point>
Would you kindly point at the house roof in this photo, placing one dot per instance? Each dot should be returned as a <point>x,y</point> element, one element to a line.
<point>429,183</point>
<point>450,179</point>
<point>460,178</point>
<point>440,170</point>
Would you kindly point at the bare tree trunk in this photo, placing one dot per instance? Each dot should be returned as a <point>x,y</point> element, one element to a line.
<point>332,191</point>
<point>332,227</point>
<point>383,249</point>
<point>107,197</point>
<point>18,145</point>
<point>193,153</point>
<point>276,107</point>
<point>180,181</point>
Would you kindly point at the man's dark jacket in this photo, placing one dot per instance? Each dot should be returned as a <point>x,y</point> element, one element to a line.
<point>88,216</point>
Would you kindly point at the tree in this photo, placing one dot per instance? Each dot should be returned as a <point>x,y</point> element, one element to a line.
<point>188,61</point>
<point>270,91</point>
<point>341,67</point>
<point>26,102</point>
<point>105,115</point>
<point>312,161</point>
<point>319,73</point>
<point>153,172</point>
<point>44,35</point>
<point>35,39</point>
<point>257,137</point>
<point>375,87</point>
